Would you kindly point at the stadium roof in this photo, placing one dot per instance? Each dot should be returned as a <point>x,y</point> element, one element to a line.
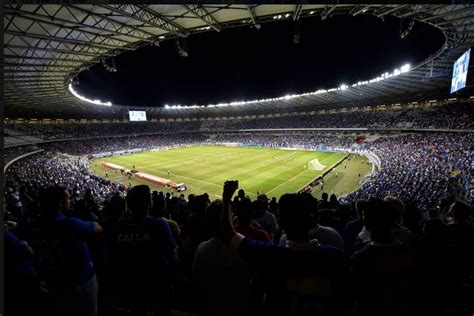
<point>46,46</point>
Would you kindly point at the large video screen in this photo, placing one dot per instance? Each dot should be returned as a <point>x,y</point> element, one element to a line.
<point>137,116</point>
<point>460,72</point>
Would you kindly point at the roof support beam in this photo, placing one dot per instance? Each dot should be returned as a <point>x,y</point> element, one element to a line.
<point>463,18</point>
<point>103,22</point>
<point>175,27</point>
<point>18,57</point>
<point>77,28</point>
<point>297,12</point>
<point>66,40</point>
<point>33,80</point>
<point>34,76</point>
<point>37,66</point>
<point>442,15</point>
<point>57,50</point>
<point>148,16</point>
<point>252,14</point>
<point>395,8</point>
<point>15,71</point>
<point>327,11</point>
<point>363,9</point>
<point>201,13</point>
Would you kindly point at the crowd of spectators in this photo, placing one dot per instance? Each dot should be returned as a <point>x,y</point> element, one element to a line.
<point>452,116</point>
<point>424,168</point>
<point>77,130</point>
<point>78,244</point>
<point>455,117</point>
<point>111,144</point>
<point>142,251</point>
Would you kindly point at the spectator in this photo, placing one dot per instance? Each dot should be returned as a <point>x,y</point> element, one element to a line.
<point>244,216</point>
<point>324,203</point>
<point>334,202</point>
<point>222,278</point>
<point>384,270</point>
<point>395,208</point>
<point>159,211</point>
<point>274,206</point>
<point>302,259</point>
<point>21,281</point>
<point>263,217</point>
<point>145,247</point>
<point>460,238</point>
<point>353,228</point>
<point>327,236</point>
<point>64,259</point>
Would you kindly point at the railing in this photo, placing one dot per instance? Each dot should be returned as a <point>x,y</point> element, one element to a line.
<point>10,162</point>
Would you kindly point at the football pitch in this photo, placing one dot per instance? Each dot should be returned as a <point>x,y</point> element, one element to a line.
<point>259,170</point>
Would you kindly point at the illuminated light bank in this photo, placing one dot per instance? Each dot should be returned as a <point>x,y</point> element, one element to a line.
<point>98,102</point>
<point>403,69</point>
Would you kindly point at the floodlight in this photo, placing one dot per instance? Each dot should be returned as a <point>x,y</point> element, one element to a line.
<point>405,68</point>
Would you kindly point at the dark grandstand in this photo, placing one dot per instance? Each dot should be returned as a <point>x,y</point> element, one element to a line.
<point>77,243</point>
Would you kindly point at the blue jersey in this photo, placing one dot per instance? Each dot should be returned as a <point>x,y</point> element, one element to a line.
<point>18,259</point>
<point>284,270</point>
<point>141,254</point>
<point>64,259</point>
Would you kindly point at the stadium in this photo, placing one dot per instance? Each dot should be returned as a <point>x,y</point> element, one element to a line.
<point>234,159</point>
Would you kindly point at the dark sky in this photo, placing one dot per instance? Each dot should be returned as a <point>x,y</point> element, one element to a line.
<point>246,64</point>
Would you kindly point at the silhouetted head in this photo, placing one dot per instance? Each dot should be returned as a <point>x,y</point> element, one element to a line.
<point>117,207</point>
<point>159,206</point>
<point>460,212</point>
<point>139,200</point>
<point>244,212</point>
<point>213,215</point>
<point>378,219</point>
<point>396,207</point>
<point>295,216</point>
<point>324,197</point>
<point>54,200</point>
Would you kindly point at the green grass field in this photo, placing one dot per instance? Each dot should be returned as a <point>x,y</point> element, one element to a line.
<point>263,170</point>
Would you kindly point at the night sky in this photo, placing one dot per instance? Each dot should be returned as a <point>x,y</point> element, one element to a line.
<point>246,64</point>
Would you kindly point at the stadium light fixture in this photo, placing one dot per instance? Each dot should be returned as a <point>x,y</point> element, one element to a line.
<point>77,95</point>
<point>405,68</point>
<point>112,68</point>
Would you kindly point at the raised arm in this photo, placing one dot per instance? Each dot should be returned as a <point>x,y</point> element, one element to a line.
<point>226,227</point>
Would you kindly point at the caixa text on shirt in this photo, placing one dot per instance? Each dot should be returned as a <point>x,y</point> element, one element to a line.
<point>133,237</point>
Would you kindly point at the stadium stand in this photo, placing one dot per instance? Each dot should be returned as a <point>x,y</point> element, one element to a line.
<point>452,116</point>
<point>426,161</point>
<point>77,243</point>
